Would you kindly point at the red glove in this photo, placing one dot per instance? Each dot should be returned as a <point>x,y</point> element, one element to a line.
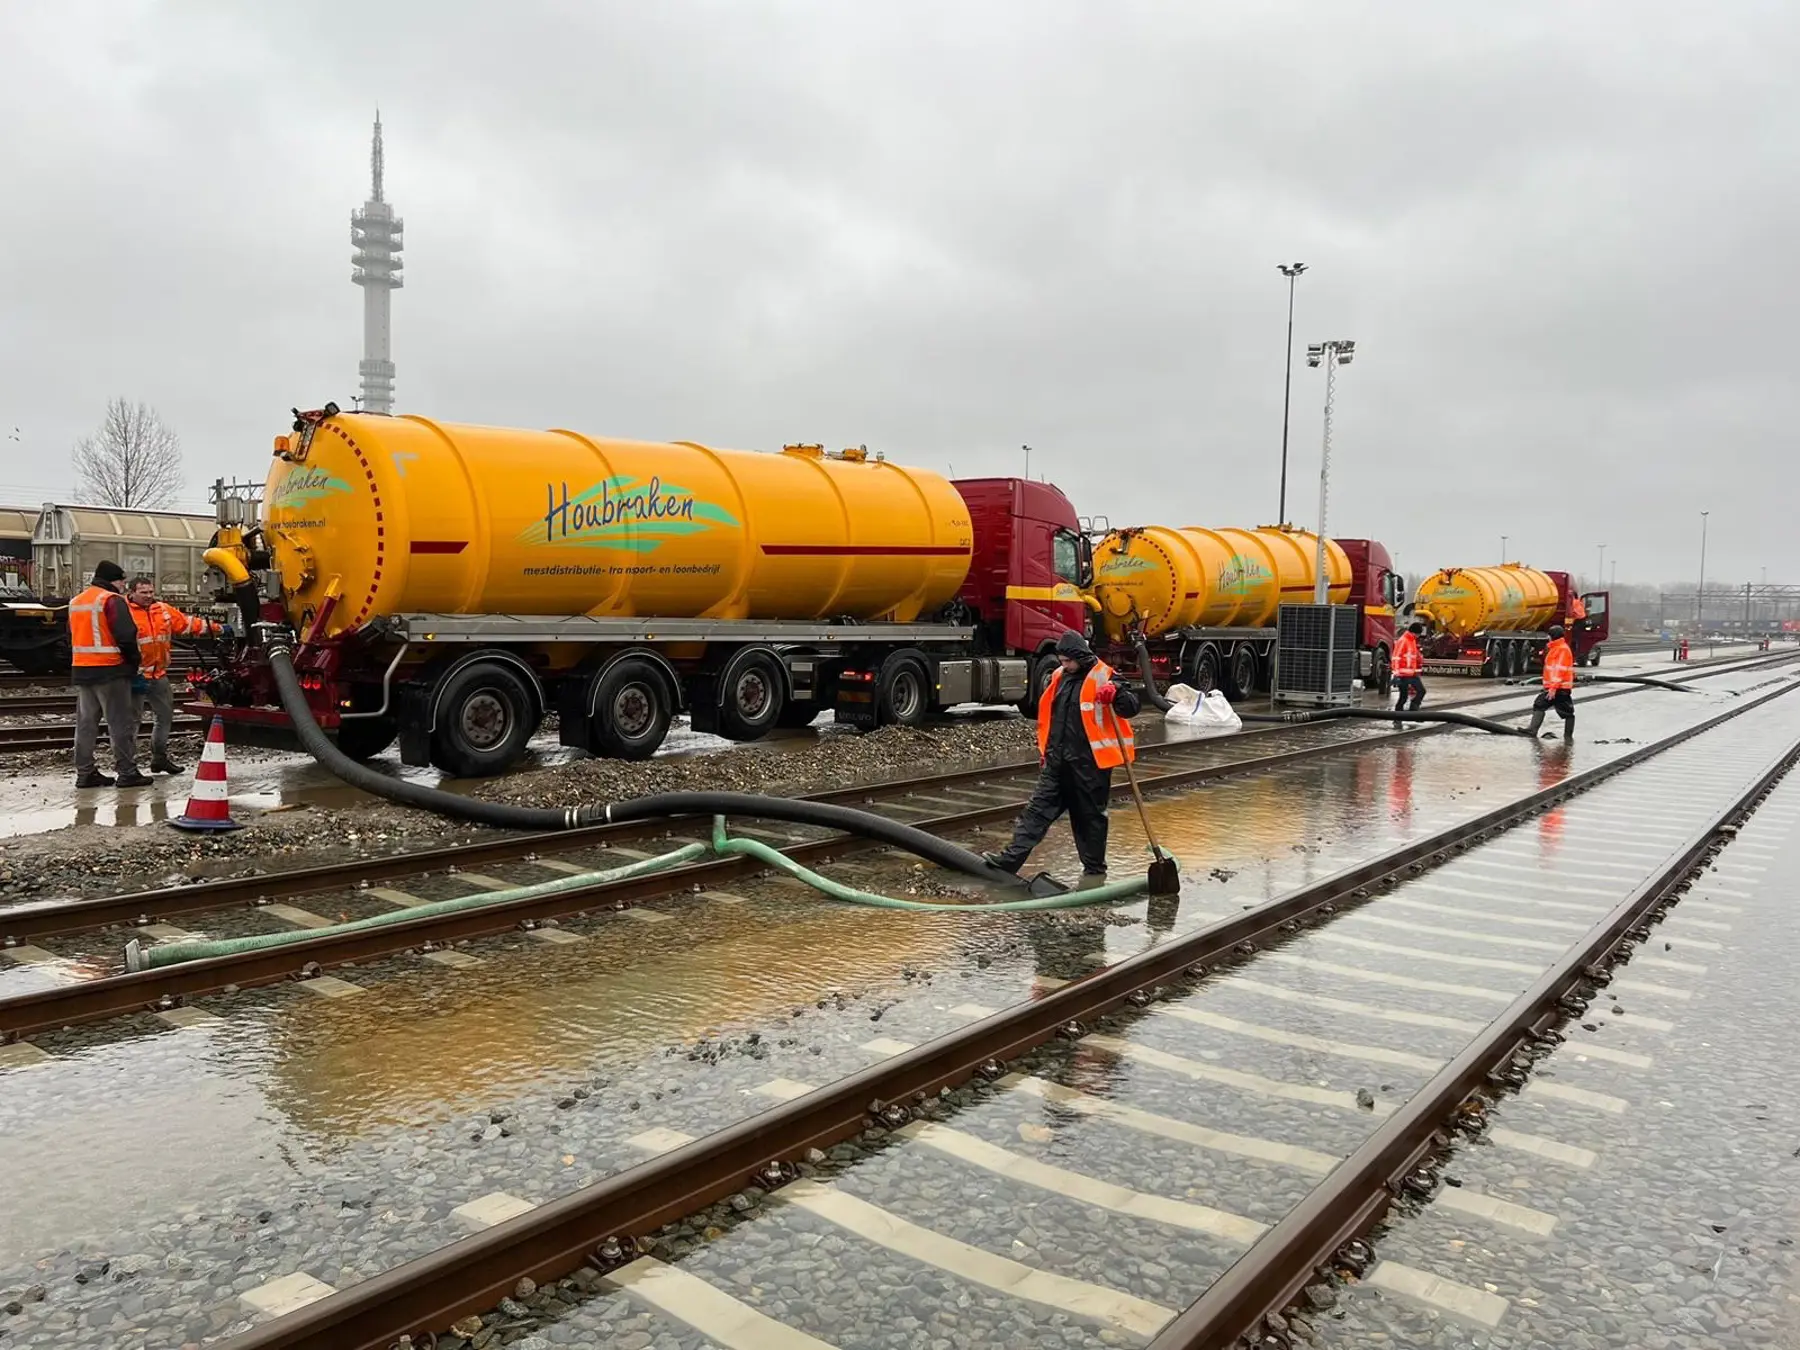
<point>1105,694</point>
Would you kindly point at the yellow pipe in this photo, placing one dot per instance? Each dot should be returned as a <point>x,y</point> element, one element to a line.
<point>227,562</point>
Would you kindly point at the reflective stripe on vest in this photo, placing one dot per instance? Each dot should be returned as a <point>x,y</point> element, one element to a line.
<point>1559,665</point>
<point>91,640</point>
<point>157,626</point>
<point>1110,749</point>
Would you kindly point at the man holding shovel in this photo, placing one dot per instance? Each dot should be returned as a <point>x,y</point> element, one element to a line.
<point>1084,733</point>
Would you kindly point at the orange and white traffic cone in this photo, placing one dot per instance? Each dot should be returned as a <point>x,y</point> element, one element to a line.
<point>209,804</point>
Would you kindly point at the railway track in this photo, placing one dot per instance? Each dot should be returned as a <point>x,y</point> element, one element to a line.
<point>1172,1147</point>
<point>60,680</point>
<point>86,982</point>
<point>20,737</point>
<point>21,705</point>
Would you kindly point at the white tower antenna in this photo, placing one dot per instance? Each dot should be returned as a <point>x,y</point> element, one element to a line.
<point>376,234</point>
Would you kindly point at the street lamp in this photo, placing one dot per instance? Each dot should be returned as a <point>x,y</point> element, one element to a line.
<point>1600,573</point>
<point>1700,594</point>
<point>1503,550</point>
<point>1027,450</point>
<point>1292,272</point>
<point>1331,355</point>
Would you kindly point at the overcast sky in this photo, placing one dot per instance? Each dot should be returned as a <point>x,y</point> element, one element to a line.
<point>1561,235</point>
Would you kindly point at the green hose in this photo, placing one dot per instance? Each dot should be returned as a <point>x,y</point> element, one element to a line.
<point>139,957</point>
<point>1097,895</point>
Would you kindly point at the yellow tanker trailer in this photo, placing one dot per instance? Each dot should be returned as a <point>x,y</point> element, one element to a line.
<point>1495,621</point>
<point>453,584</point>
<point>1205,601</point>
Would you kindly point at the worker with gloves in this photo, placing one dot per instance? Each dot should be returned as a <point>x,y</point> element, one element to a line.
<point>1084,733</point>
<point>104,661</point>
<point>1559,685</point>
<point>158,625</point>
<point>1409,667</point>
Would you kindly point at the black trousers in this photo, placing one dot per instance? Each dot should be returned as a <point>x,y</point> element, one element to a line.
<point>1409,685</point>
<point>1080,789</point>
<point>1563,701</point>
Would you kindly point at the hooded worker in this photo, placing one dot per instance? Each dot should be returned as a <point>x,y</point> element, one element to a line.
<point>1084,733</point>
<point>1559,685</point>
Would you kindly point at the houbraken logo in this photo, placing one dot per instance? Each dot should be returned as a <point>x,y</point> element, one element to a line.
<point>305,484</point>
<point>623,513</point>
<point>1239,575</point>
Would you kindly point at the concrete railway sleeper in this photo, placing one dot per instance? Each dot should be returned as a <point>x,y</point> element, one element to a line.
<point>606,1225</point>
<point>159,989</point>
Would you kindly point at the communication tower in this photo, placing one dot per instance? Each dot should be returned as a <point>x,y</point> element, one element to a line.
<point>376,235</point>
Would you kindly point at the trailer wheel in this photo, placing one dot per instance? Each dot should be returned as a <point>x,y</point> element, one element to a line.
<point>366,737</point>
<point>632,710</point>
<point>1041,671</point>
<point>1594,657</point>
<point>1203,671</point>
<point>1242,681</point>
<point>751,693</point>
<point>902,691</point>
<point>485,716</point>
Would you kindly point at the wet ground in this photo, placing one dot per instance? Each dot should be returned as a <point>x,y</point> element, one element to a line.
<point>337,1135</point>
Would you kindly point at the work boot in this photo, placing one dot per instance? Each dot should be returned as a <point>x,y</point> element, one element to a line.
<point>1089,880</point>
<point>135,779</point>
<point>999,861</point>
<point>1569,729</point>
<point>94,779</point>
<point>1537,722</point>
<point>165,765</point>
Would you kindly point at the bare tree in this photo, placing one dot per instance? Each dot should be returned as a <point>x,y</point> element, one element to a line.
<point>134,459</point>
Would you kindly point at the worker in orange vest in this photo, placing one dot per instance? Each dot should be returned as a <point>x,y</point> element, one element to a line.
<point>1084,733</point>
<point>1409,667</point>
<point>1559,685</point>
<point>104,661</point>
<point>1577,610</point>
<point>158,625</point>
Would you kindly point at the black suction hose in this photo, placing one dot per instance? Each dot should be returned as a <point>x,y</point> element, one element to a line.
<point>862,823</point>
<point>1157,701</point>
<point>1152,695</point>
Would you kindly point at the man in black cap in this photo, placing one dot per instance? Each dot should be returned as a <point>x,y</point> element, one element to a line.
<point>1084,733</point>
<point>103,651</point>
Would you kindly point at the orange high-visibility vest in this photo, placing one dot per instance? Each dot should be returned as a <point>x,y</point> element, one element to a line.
<point>91,640</point>
<point>1559,665</point>
<point>1577,610</point>
<point>1108,735</point>
<point>1407,660</point>
<point>157,627</point>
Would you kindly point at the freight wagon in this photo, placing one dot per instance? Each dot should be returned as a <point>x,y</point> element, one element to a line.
<point>451,586</point>
<point>1204,602</point>
<point>52,551</point>
<point>1494,621</point>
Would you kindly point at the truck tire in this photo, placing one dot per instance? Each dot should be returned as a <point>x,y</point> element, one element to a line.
<point>1203,669</point>
<point>366,737</point>
<point>1241,682</point>
<point>1041,671</point>
<point>1381,672</point>
<point>633,707</point>
<point>902,691</point>
<point>751,693</point>
<point>485,717</point>
<point>1594,657</point>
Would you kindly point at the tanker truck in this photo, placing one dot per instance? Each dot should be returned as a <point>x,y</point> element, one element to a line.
<point>1204,601</point>
<point>1494,621</point>
<point>450,586</point>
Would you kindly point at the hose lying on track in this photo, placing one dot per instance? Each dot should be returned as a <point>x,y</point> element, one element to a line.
<point>1153,696</point>
<point>138,957</point>
<point>865,824</point>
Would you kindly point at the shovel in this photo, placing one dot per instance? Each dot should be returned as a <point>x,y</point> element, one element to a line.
<point>1165,876</point>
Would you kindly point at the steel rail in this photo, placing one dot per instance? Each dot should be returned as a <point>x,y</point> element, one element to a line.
<point>1412,1142</point>
<point>427,1294</point>
<point>61,735</point>
<point>23,924</point>
<point>107,996</point>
